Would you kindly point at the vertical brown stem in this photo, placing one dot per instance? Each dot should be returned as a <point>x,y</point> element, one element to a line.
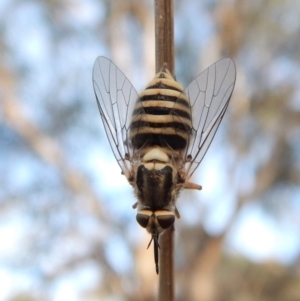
<point>166,269</point>
<point>164,53</point>
<point>164,34</point>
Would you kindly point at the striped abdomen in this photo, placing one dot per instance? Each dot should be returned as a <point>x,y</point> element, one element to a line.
<point>160,117</point>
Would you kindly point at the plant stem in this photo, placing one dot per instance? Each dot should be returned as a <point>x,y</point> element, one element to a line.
<point>164,53</point>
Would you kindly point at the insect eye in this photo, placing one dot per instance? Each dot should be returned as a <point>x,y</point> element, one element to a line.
<point>166,221</point>
<point>143,218</point>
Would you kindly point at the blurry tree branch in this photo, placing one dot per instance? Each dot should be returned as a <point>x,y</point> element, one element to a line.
<point>47,149</point>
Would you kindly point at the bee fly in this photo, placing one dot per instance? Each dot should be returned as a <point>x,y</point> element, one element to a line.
<point>160,136</point>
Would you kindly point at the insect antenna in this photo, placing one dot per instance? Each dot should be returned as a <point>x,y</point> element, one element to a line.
<point>156,246</point>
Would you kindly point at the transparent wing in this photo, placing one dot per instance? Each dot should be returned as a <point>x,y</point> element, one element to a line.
<point>116,98</point>
<point>209,95</point>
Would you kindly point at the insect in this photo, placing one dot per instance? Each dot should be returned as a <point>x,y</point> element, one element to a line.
<point>159,137</point>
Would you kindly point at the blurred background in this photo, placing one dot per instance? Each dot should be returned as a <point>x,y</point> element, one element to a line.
<point>67,229</point>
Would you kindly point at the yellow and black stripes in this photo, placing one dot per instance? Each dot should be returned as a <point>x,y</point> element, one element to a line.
<point>161,116</point>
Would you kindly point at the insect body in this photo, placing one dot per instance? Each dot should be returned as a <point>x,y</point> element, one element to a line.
<point>160,136</point>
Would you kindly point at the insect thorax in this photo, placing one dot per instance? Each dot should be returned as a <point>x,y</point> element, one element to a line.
<point>156,187</point>
<point>156,184</point>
